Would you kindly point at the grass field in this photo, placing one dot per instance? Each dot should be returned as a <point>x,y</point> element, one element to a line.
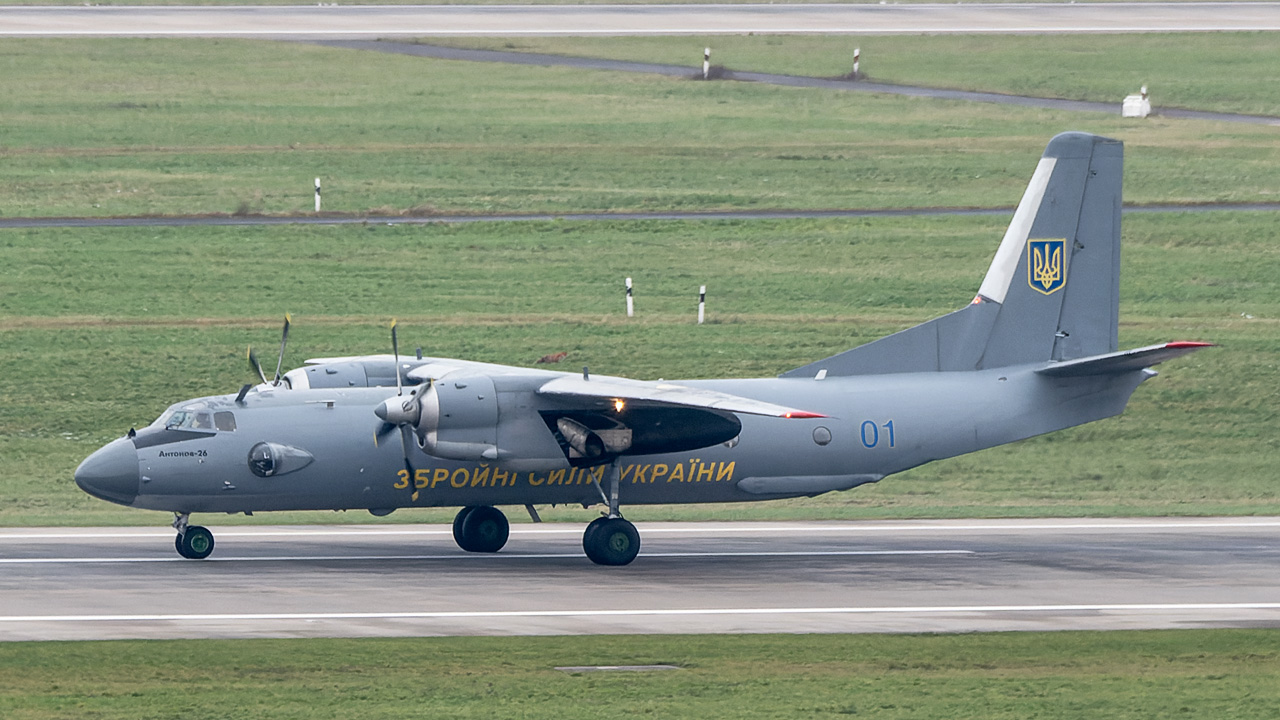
<point>102,328</point>
<point>111,327</point>
<point>105,327</point>
<point>1208,674</point>
<point>124,127</point>
<point>1228,72</point>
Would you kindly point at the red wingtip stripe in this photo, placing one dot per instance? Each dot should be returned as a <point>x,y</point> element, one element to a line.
<point>802,415</point>
<point>1188,344</point>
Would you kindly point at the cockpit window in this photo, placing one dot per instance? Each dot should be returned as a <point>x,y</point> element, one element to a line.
<point>189,420</point>
<point>224,421</point>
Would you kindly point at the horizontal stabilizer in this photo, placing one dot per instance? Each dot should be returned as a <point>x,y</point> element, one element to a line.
<point>1121,362</point>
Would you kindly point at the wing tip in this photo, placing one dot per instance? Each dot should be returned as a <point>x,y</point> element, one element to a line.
<point>1188,344</point>
<point>803,415</point>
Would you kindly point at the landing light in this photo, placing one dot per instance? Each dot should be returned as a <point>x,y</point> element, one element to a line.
<point>618,405</point>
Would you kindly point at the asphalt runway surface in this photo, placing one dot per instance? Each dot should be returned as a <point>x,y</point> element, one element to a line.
<point>460,20</point>
<point>411,580</point>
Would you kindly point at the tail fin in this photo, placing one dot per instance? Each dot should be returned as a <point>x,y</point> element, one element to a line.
<point>1052,292</point>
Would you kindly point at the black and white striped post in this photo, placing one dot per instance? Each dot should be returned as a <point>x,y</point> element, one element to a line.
<point>706,63</point>
<point>317,194</point>
<point>631,310</point>
<point>857,56</point>
<point>702,303</point>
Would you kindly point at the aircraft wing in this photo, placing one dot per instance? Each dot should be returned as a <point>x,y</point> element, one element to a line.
<point>665,394</point>
<point>1124,361</point>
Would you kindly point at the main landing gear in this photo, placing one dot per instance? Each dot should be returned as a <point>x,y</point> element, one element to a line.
<point>480,529</point>
<point>611,540</point>
<point>193,542</point>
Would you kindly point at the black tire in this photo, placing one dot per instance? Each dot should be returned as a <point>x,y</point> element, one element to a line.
<point>485,530</point>
<point>196,543</point>
<point>458,519</point>
<point>613,542</point>
<point>588,535</point>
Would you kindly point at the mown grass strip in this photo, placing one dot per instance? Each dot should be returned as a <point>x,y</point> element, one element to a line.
<point>131,127</point>
<point>1199,673</point>
<point>1227,72</point>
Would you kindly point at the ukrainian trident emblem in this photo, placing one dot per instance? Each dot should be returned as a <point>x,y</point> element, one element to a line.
<point>1046,265</point>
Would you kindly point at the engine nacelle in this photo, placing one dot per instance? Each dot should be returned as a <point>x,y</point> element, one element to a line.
<point>459,419</point>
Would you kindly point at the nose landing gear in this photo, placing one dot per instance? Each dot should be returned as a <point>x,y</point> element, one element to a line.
<point>193,542</point>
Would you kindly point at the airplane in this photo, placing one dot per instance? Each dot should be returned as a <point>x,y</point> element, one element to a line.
<point>1034,351</point>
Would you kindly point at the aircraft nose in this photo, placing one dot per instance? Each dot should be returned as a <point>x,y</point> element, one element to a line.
<point>111,473</point>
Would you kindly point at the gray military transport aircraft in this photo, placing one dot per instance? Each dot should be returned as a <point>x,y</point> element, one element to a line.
<point>1035,351</point>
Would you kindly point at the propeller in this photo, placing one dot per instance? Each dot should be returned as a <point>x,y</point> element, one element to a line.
<point>399,414</point>
<point>257,366</point>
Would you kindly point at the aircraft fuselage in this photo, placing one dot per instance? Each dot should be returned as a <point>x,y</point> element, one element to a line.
<point>876,426</point>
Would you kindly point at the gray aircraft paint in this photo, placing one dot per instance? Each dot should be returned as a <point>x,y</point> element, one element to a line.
<point>1034,352</point>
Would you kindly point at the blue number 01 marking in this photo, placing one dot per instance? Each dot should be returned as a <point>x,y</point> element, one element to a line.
<point>871,433</point>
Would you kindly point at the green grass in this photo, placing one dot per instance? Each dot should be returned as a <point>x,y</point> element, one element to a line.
<point>1228,72</point>
<point>106,327</point>
<point>1200,673</point>
<point>101,329</point>
<point>126,127</point>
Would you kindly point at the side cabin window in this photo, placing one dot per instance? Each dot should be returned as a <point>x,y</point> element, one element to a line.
<point>224,421</point>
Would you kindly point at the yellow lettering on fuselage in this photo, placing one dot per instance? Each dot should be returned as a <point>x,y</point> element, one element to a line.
<point>485,476</point>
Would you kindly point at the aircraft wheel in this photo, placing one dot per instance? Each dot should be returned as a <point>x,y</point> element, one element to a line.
<point>484,529</point>
<point>613,542</point>
<point>588,535</point>
<point>458,519</point>
<point>194,544</point>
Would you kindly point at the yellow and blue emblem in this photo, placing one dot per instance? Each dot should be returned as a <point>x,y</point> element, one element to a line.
<point>1047,264</point>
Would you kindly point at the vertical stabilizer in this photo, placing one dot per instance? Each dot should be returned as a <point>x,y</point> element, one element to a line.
<point>1052,291</point>
<point>1056,275</point>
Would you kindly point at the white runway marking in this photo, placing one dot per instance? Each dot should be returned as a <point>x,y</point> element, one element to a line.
<point>517,614</point>
<point>460,556</point>
<point>711,528</point>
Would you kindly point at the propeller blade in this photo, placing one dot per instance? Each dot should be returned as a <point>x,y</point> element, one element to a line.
<point>395,351</point>
<point>383,430</point>
<point>408,466</point>
<point>284,340</point>
<point>256,366</point>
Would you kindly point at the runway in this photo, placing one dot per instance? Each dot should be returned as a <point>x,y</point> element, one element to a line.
<point>410,580</point>
<point>299,22</point>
